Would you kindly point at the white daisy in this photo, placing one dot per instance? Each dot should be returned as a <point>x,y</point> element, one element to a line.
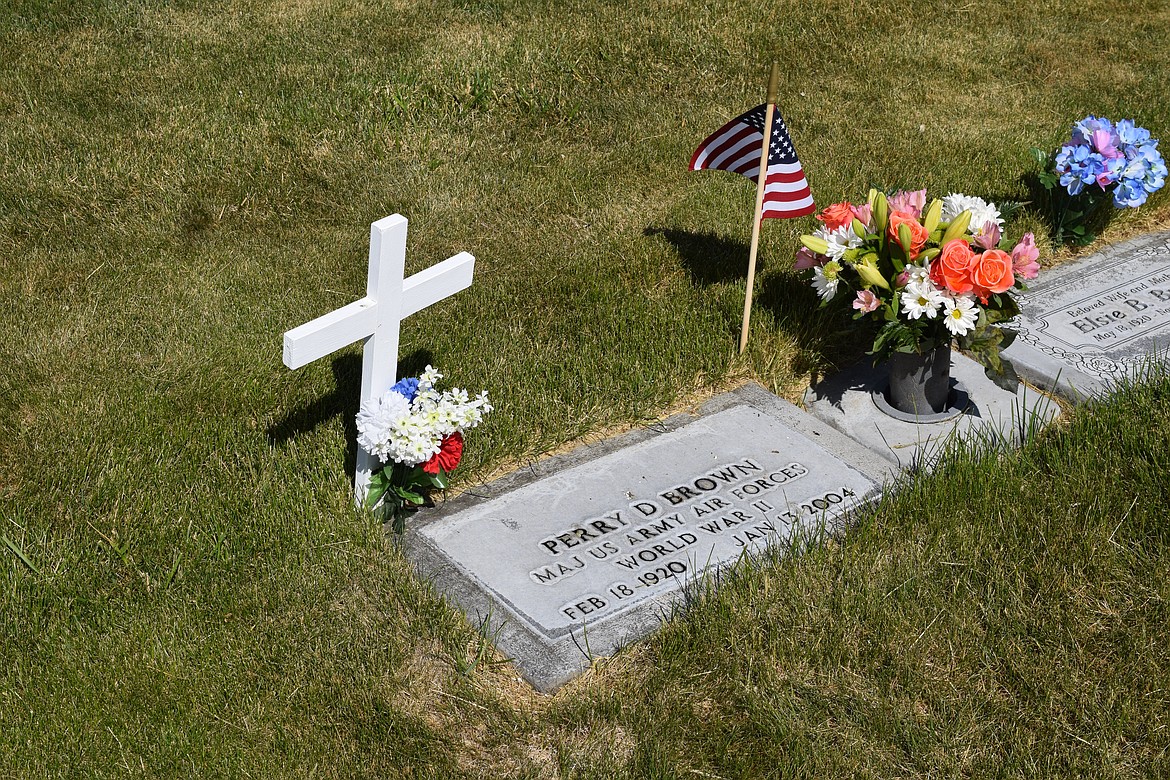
<point>826,279</point>
<point>921,299</point>
<point>959,314</point>
<point>840,241</point>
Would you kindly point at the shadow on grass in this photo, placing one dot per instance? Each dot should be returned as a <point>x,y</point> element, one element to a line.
<point>708,258</point>
<point>343,401</point>
<point>825,337</point>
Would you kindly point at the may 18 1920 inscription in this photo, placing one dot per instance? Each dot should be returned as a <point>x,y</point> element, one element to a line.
<point>597,548</point>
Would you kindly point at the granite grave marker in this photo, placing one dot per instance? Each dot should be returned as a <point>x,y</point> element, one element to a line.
<point>1085,325</point>
<point>585,552</point>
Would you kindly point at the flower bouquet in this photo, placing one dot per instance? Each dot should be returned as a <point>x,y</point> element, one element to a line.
<point>1101,162</point>
<point>929,273</point>
<point>417,433</point>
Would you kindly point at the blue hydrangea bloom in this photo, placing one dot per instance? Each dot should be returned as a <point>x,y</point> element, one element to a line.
<point>1131,134</point>
<point>1129,194</point>
<point>1078,165</point>
<point>407,387</point>
<point>1083,130</point>
<point>1155,166</point>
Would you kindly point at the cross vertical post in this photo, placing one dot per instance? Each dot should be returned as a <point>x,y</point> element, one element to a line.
<point>376,319</point>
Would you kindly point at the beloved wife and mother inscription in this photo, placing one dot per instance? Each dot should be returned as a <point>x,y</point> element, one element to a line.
<point>585,555</point>
<point>1090,323</point>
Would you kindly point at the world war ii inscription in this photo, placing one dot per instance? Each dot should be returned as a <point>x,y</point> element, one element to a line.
<point>1092,322</point>
<point>587,550</point>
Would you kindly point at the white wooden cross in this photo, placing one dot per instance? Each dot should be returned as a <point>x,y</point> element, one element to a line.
<point>375,318</point>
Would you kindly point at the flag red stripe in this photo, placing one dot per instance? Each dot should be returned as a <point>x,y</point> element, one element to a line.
<point>718,137</point>
<point>777,176</point>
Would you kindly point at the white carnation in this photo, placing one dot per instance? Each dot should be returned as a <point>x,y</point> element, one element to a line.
<point>379,421</point>
<point>411,432</point>
<point>982,211</point>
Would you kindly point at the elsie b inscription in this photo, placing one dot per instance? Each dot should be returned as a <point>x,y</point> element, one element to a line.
<point>1114,318</point>
<point>1087,324</point>
<point>590,542</point>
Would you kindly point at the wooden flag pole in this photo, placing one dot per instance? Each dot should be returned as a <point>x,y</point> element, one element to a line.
<point>773,85</point>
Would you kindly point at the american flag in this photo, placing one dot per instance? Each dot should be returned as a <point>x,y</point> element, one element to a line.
<point>736,146</point>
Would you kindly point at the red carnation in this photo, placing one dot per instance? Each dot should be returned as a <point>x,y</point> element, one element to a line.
<point>449,454</point>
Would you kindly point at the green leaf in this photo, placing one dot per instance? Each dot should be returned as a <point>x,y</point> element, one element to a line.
<point>409,496</point>
<point>1009,208</point>
<point>1005,377</point>
<point>1039,155</point>
<point>439,480</point>
<point>379,483</point>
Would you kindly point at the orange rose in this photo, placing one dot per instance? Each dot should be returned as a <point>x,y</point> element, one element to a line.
<point>837,215</point>
<point>952,268</point>
<point>918,234</point>
<point>991,272</point>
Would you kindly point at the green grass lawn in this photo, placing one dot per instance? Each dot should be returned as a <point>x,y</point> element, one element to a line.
<point>185,589</point>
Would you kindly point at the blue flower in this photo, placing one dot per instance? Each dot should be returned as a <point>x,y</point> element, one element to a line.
<point>1084,129</point>
<point>1129,193</point>
<point>407,387</point>
<point>1155,166</point>
<point>1131,134</point>
<point>1078,165</point>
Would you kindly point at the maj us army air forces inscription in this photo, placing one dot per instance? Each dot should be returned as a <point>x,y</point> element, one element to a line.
<point>650,543</point>
<point>594,540</point>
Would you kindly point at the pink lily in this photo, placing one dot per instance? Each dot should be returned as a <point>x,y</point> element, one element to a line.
<point>866,301</point>
<point>806,258</point>
<point>989,237</point>
<point>1025,258</point>
<point>909,202</point>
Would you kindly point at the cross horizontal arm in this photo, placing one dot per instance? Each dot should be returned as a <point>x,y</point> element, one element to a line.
<point>330,332</point>
<point>436,283</point>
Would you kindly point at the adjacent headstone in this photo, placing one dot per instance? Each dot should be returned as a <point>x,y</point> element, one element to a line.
<point>851,402</point>
<point>376,318</point>
<point>1085,325</point>
<point>584,553</point>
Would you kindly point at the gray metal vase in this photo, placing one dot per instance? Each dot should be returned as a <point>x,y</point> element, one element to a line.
<point>920,383</point>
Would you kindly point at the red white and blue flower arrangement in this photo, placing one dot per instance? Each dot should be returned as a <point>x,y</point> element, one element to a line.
<point>417,433</point>
<point>1102,162</point>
